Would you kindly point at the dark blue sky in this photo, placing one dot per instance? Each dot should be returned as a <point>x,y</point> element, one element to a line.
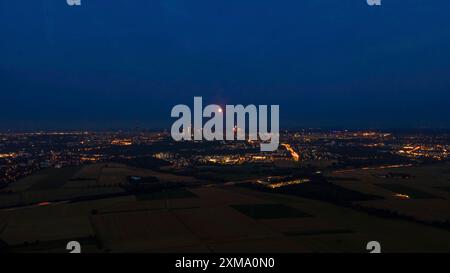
<point>125,63</point>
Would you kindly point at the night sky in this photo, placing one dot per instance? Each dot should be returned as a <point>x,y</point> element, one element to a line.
<point>126,63</point>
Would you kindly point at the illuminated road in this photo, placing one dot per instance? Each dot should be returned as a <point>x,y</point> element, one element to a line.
<point>294,154</point>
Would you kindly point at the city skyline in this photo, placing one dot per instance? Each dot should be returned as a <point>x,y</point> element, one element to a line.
<point>229,134</point>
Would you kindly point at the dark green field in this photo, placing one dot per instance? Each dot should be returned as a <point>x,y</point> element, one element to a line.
<point>270,211</point>
<point>169,194</point>
<point>54,178</point>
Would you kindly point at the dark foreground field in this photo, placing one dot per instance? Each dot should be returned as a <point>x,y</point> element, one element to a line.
<point>96,206</point>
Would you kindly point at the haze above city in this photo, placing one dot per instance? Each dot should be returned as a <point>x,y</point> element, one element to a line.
<point>125,64</point>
